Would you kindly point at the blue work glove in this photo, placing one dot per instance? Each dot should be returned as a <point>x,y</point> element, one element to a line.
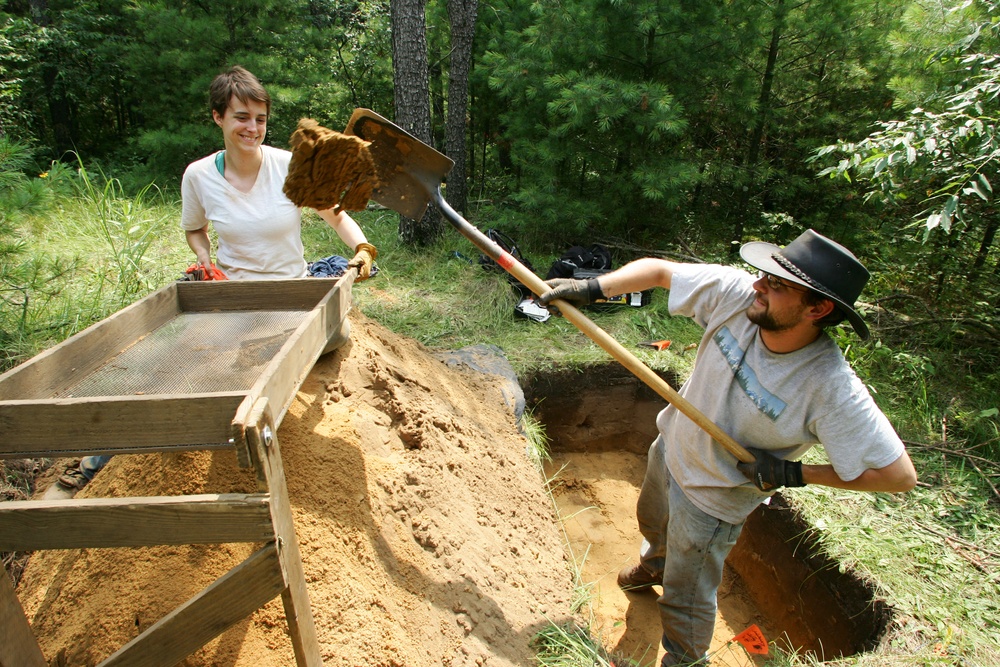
<point>768,472</point>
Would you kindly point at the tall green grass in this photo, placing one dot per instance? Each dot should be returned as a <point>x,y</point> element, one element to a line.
<point>128,228</point>
<point>90,251</point>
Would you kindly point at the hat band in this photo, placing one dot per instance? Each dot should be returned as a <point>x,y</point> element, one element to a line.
<point>798,273</point>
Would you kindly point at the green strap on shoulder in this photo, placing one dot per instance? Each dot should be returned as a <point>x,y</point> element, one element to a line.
<point>220,162</point>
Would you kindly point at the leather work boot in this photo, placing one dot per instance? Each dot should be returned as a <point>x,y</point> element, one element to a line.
<point>73,479</point>
<point>636,578</point>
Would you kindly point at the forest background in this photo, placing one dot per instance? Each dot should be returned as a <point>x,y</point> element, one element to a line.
<point>677,129</point>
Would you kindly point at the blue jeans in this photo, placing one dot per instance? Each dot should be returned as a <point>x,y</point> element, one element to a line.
<point>689,547</point>
<point>91,465</point>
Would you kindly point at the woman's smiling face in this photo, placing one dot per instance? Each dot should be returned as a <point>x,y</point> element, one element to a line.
<point>244,124</point>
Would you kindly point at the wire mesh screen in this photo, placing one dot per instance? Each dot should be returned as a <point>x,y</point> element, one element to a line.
<point>193,353</point>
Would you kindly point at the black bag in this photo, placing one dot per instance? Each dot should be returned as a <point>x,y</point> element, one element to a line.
<point>594,258</point>
<point>510,247</point>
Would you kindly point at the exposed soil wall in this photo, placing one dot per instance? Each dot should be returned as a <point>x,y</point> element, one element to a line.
<point>821,608</point>
<point>604,408</point>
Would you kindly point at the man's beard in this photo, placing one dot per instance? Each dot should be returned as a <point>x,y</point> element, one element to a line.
<point>763,318</point>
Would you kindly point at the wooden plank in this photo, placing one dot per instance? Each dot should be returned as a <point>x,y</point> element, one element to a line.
<point>228,600</point>
<point>116,424</point>
<point>240,427</point>
<point>285,373</point>
<point>262,434</point>
<point>27,525</point>
<point>336,306</point>
<point>79,355</point>
<point>238,436</point>
<point>19,648</point>
<point>302,294</point>
<point>337,303</point>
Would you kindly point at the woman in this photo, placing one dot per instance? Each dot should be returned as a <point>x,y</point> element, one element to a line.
<point>239,191</point>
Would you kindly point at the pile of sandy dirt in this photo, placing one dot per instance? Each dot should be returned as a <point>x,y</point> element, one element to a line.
<point>426,534</point>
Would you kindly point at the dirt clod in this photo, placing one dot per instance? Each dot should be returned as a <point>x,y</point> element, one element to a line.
<point>329,169</point>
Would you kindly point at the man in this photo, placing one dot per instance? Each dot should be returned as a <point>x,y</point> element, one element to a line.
<point>770,377</point>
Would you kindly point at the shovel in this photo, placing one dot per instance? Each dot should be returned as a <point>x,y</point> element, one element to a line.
<point>411,172</point>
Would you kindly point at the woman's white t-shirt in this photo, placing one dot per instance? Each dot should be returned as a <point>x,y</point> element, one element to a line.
<point>260,232</point>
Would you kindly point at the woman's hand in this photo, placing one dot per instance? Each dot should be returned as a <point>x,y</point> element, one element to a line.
<point>364,257</point>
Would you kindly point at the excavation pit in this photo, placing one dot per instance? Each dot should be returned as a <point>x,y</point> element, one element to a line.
<point>600,424</point>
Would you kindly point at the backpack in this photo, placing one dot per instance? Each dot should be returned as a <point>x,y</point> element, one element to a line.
<point>510,247</point>
<point>594,258</point>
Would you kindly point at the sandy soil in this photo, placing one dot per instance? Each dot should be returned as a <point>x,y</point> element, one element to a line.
<point>596,493</point>
<point>426,535</point>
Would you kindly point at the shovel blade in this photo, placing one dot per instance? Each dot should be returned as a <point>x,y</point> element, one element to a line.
<point>410,172</point>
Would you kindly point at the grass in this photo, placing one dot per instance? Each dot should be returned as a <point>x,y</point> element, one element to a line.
<point>933,553</point>
<point>570,646</point>
<point>442,297</point>
<point>92,251</point>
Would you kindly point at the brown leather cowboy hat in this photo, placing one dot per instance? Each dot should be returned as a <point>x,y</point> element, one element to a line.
<point>816,262</point>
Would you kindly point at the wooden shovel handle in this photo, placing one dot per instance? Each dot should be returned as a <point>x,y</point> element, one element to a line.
<point>635,365</point>
<point>594,332</point>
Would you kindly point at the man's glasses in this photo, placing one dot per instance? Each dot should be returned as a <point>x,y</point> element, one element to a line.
<point>776,284</point>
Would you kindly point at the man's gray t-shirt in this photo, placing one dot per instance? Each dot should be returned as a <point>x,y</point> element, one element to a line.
<point>785,403</point>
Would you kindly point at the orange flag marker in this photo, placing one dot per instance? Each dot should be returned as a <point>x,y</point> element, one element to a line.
<point>753,640</point>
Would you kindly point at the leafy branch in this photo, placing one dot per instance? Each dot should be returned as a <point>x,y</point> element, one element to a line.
<point>947,155</point>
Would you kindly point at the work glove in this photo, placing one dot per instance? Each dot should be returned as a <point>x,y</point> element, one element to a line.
<point>577,292</point>
<point>364,256</point>
<point>198,271</point>
<point>768,472</point>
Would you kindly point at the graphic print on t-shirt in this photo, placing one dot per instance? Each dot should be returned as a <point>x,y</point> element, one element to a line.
<point>769,404</point>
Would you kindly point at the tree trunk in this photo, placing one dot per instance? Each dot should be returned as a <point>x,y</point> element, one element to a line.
<point>411,95</point>
<point>60,113</point>
<point>462,17</point>
<point>436,75</point>
<point>984,247</point>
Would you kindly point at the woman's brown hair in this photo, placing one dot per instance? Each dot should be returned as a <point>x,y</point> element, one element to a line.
<point>239,82</point>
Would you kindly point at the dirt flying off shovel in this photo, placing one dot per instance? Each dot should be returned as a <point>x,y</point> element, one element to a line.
<point>411,173</point>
